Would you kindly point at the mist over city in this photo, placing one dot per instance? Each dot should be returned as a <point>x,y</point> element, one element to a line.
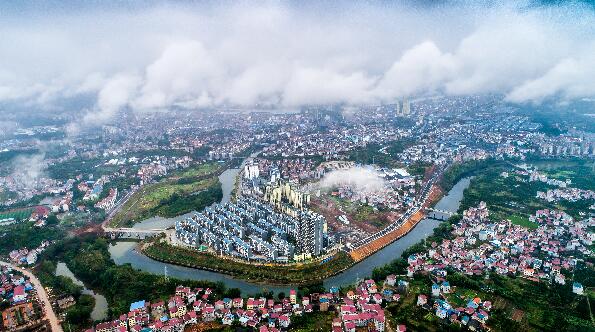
<point>269,54</point>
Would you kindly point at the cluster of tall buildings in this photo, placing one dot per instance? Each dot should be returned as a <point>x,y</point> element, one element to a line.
<point>403,110</point>
<point>285,198</point>
<point>568,149</point>
<point>251,171</point>
<point>254,230</point>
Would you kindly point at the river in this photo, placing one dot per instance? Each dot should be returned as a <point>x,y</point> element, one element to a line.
<point>125,253</point>
<point>100,309</point>
<point>450,203</point>
<point>227,180</point>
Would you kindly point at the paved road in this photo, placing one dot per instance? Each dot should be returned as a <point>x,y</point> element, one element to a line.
<point>421,200</point>
<point>117,208</point>
<point>43,296</point>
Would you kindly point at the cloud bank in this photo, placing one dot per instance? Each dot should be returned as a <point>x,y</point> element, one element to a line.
<point>287,55</point>
<point>359,179</point>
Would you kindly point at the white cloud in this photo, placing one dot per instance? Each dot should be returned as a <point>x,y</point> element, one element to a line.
<point>423,67</point>
<point>199,56</point>
<point>570,78</point>
<point>359,179</point>
<point>29,168</point>
<point>184,70</point>
<point>114,95</point>
<point>323,86</point>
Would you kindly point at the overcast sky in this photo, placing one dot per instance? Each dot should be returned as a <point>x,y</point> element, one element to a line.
<point>196,55</point>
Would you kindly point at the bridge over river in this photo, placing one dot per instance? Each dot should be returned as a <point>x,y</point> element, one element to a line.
<point>132,233</point>
<point>439,214</point>
<point>124,252</point>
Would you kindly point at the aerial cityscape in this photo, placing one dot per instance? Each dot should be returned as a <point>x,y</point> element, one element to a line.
<point>297,166</point>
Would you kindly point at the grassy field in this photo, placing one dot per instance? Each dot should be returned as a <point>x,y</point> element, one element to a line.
<point>315,321</point>
<point>536,306</point>
<point>512,197</point>
<point>407,312</point>
<point>523,221</point>
<point>151,198</point>
<point>292,274</point>
<point>200,170</point>
<point>582,173</point>
<point>158,198</point>
<point>18,214</point>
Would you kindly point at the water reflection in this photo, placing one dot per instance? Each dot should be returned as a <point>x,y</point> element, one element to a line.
<point>125,253</point>
<point>100,309</point>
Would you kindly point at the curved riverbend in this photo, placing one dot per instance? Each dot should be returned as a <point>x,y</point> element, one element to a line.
<point>125,253</point>
<point>424,228</point>
<point>100,309</point>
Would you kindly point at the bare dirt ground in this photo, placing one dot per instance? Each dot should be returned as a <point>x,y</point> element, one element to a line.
<point>357,229</point>
<point>367,250</point>
<point>87,229</point>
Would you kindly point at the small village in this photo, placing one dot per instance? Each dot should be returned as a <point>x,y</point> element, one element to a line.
<point>548,253</point>
<point>18,295</point>
<point>568,194</point>
<point>192,306</point>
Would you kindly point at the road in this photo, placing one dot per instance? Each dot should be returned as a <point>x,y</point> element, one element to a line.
<point>43,297</point>
<point>421,200</point>
<point>117,207</point>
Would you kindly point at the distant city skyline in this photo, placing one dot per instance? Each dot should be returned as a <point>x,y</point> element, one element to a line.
<point>156,55</point>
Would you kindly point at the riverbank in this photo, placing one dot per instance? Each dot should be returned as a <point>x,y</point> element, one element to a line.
<point>519,303</point>
<point>126,253</point>
<point>362,253</point>
<point>273,274</point>
<point>88,258</point>
<point>179,193</point>
<point>277,274</point>
<point>270,274</point>
<point>100,306</point>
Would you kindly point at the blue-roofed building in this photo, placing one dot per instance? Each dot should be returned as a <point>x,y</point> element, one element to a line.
<point>441,313</point>
<point>472,304</point>
<point>443,304</point>
<point>97,189</point>
<point>435,290</point>
<point>577,288</point>
<point>445,287</point>
<point>137,305</point>
<point>465,320</point>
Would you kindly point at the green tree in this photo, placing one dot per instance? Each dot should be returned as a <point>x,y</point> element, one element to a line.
<point>52,220</point>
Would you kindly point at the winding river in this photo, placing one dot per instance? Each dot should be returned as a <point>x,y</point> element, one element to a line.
<point>100,309</point>
<point>227,179</point>
<point>125,253</point>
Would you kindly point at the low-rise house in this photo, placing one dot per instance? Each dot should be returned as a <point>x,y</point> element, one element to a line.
<point>577,288</point>
<point>422,300</point>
